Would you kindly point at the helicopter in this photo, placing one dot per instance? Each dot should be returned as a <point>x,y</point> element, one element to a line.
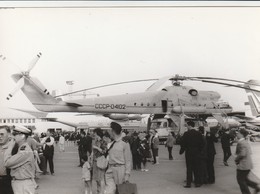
<point>175,101</point>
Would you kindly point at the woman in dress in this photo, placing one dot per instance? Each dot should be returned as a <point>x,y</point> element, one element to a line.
<point>99,149</point>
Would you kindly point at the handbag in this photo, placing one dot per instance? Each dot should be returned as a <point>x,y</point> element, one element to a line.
<point>102,162</point>
<point>126,188</point>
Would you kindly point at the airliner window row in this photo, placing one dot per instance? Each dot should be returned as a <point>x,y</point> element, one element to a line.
<point>17,120</point>
<point>148,104</point>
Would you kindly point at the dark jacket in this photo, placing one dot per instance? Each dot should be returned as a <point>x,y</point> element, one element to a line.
<point>204,153</point>
<point>211,138</point>
<point>191,142</point>
<point>135,146</point>
<point>144,149</point>
<point>85,144</point>
<point>48,149</point>
<point>225,140</point>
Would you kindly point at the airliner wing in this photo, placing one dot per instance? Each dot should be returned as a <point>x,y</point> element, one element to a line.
<point>244,117</point>
<point>36,114</point>
<point>86,114</point>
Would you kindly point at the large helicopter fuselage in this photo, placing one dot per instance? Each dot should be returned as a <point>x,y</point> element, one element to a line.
<point>170,100</point>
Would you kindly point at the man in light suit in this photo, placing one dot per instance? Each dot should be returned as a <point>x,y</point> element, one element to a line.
<point>244,163</point>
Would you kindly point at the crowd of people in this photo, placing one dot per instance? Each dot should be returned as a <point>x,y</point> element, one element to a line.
<point>121,149</point>
<point>108,158</point>
<point>200,151</point>
<point>199,154</point>
<point>23,157</point>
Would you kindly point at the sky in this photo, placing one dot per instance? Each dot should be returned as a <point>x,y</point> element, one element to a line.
<point>96,46</point>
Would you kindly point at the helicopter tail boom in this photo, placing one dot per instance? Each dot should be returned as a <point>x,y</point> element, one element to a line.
<point>38,95</point>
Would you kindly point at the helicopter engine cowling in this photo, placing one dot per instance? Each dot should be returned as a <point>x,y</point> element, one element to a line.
<point>124,117</point>
<point>189,109</point>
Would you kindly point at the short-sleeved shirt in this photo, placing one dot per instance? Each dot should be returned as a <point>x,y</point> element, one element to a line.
<point>86,176</point>
<point>120,154</point>
<point>22,163</point>
<point>3,148</point>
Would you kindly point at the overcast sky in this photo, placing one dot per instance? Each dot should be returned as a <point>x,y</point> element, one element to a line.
<point>95,46</point>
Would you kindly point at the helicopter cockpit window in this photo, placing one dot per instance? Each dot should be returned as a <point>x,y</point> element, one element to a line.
<point>164,90</point>
<point>193,92</point>
<point>156,125</point>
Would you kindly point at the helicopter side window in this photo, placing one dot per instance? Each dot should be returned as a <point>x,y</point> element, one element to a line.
<point>193,92</point>
<point>158,124</point>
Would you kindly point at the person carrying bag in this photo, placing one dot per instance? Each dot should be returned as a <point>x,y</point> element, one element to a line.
<point>102,161</point>
<point>120,160</point>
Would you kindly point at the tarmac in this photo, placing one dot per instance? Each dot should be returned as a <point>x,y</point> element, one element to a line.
<point>165,178</point>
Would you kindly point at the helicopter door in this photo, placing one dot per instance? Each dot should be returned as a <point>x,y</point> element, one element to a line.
<point>164,105</point>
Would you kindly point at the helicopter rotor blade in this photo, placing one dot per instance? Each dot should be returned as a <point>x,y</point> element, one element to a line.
<point>19,85</point>
<point>106,85</point>
<point>33,62</point>
<point>232,85</point>
<point>7,61</point>
<point>222,79</point>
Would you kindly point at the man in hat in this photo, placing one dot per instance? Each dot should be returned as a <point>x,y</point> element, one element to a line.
<point>5,178</point>
<point>21,163</point>
<point>120,159</point>
<point>244,163</point>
